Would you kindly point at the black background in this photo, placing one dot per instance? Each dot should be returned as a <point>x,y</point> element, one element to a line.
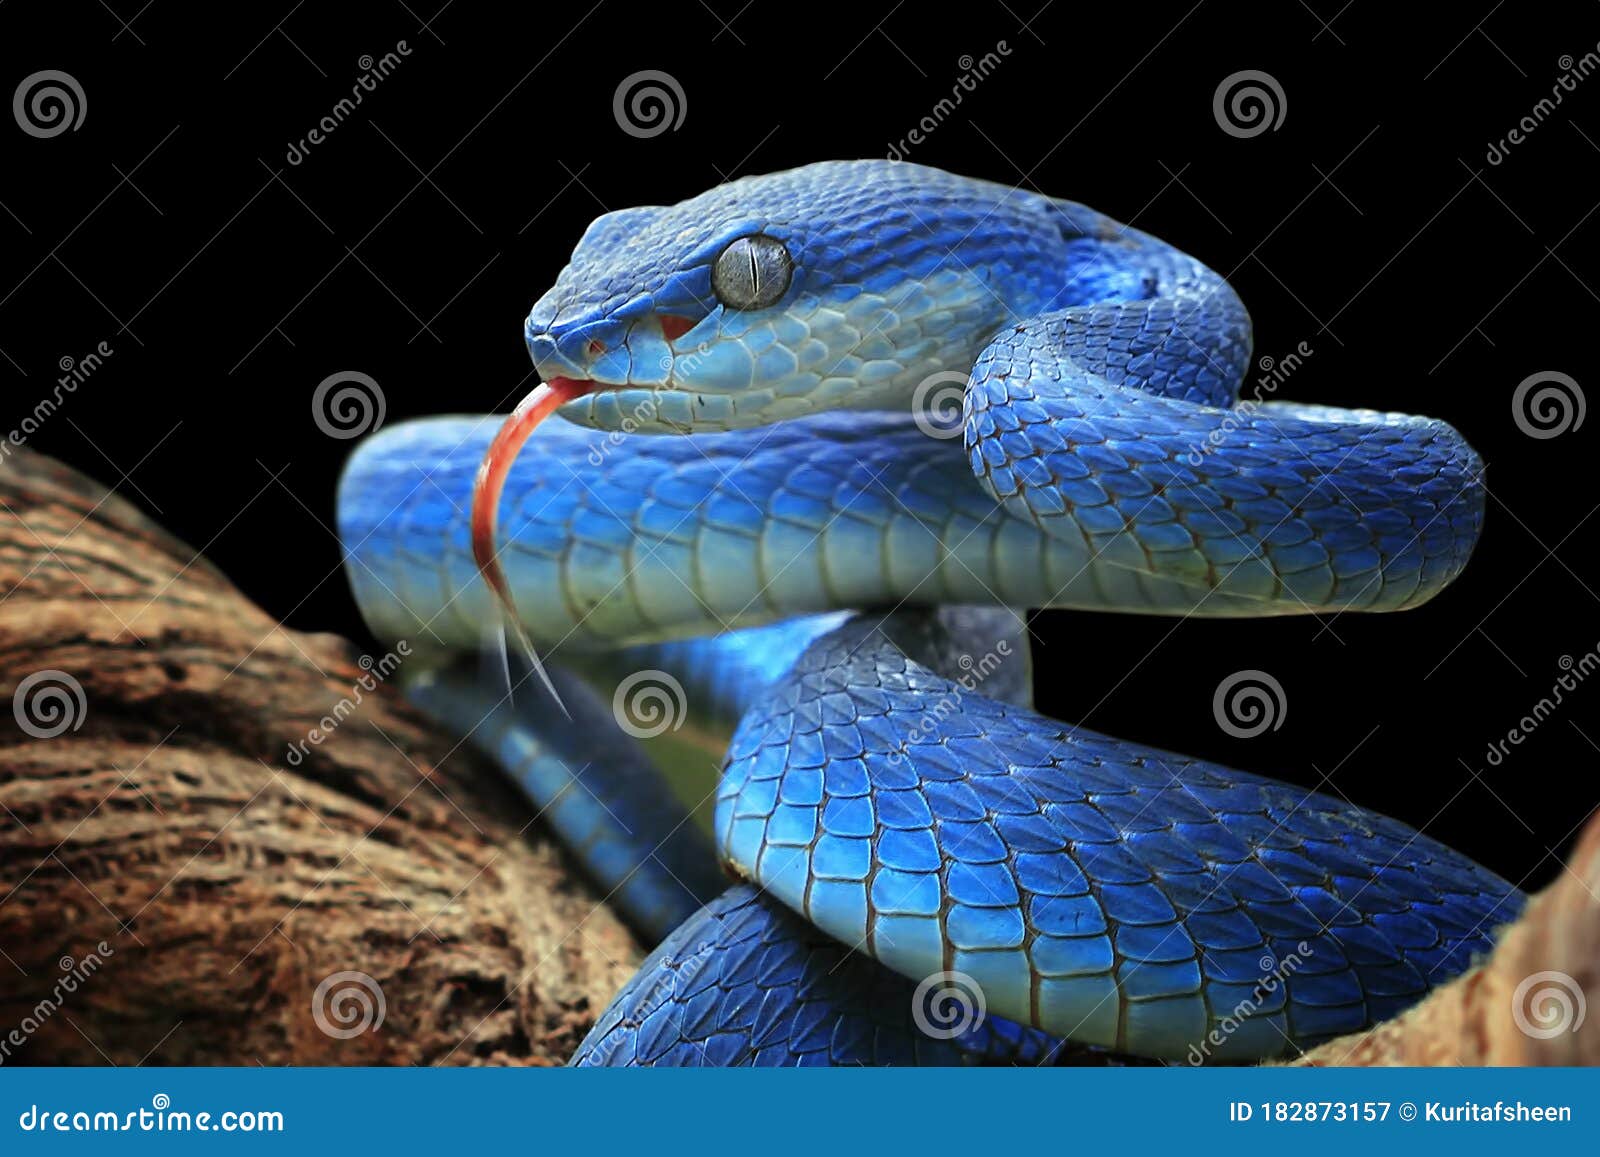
<point>409,244</point>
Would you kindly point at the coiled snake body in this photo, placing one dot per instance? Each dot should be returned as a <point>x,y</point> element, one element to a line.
<point>761,384</point>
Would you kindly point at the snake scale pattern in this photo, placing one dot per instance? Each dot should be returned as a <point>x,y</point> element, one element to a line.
<point>826,432</point>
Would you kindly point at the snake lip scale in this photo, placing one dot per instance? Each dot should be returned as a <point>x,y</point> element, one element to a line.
<point>874,411</point>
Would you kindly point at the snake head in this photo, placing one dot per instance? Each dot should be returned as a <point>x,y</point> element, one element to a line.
<point>840,285</point>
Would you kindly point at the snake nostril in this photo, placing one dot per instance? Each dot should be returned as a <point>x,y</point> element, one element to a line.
<point>596,347</point>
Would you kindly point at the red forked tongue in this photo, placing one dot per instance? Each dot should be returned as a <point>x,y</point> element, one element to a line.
<point>486,488</point>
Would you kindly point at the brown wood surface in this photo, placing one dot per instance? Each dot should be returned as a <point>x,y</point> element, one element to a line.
<point>227,884</point>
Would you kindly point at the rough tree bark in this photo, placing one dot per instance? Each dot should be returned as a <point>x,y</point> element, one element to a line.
<point>167,820</point>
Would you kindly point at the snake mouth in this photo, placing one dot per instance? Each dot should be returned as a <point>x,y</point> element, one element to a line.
<point>540,403</point>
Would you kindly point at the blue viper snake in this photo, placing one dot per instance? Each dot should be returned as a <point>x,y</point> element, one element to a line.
<point>827,432</point>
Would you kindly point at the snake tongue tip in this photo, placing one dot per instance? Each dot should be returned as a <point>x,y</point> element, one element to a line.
<point>540,403</point>
<point>531,657</point>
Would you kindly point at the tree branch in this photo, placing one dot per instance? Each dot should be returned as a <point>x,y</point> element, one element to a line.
<point>167,859</point>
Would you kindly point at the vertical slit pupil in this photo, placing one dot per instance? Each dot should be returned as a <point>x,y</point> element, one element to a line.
<point>751,273</point>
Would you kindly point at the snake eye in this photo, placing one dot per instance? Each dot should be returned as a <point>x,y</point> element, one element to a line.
<point>752,272</point>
